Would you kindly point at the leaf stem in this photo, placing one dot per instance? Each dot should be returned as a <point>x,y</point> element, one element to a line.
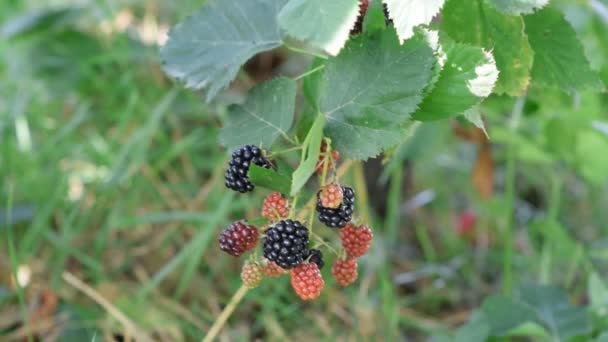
<point>321,241</point>
<point>510,196</point>
<point>305,52</point>
<point>223,317</point>
<point>309,72</point>
<point>285,151</point>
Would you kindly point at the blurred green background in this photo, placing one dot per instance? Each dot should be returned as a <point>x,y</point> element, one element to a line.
<point>112,188</point>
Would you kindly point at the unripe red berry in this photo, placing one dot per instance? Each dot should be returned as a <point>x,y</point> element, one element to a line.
<point>275,207</point>
<point>345,271</point>
<point>307,281</point>
<point>252,274</point>
<point>356,240</point>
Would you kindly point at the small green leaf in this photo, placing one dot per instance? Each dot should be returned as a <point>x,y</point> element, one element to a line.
<point>323,24</point>
<point>208,48</point>
<point>598,293</point>
<point>477,329</point>
<point>518,6</point>
<point>555,312</point>
<point>473,115</point>
<point>407,14</point>
<point>312,148</point>
<point>371,89</point>
<point>374,20</point>
<point>559,59</point>
<point>505,313</point>
<point>473,22</point>
<point>267,113</point>
<point>269,179</point>
<point>258,222</point>
<point>468,76</point>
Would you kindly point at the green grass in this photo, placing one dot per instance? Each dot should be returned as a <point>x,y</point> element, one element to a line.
<point>114,174</point>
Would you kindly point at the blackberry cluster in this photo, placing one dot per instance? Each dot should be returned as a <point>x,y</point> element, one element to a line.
<point>236,176</point>
<point>337,218</point>
<point>286,243</point>
<point>315,255</point>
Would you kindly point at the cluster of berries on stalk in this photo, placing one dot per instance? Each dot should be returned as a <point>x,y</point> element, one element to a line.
<point>288,245</point>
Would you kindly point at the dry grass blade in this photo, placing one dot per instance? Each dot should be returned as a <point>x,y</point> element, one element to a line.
<point>129,325</point>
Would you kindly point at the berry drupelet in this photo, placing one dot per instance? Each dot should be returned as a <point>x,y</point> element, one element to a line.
<point>286,243</point>
<point>238,238</point>
<point>337,218</point>
<point>237,177</point>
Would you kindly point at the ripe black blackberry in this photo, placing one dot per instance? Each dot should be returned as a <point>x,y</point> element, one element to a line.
<point>315,255</point>
<point>237,177</point>
<point>338,218</point>
<point>286,243</point>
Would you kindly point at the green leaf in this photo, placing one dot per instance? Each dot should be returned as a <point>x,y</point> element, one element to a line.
<point>208,48</point>
<point>591,144</point>
<point>312,148</point>
<point>473,115</point>
<point>374,20</point>
<point>43,20</point>
<point>559,59</point>
<point>598,292</point>
<point>477,329</point>
<point>269,179</point>
<point>371,89</point>
<point>518,6</point>
<point>602,338</point>
<point>468,76</point>
<point>530,329</point>
<point>323,24</point>
<point>407,14</point>
<point>505,313</point>
<point>258,222</point>
<point>555,312</point>
<point>473,22</point>
<point>267,113</point>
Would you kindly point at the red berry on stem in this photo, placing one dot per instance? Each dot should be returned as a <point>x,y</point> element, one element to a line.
<point>345,271</point>
<point>275,207</point>
<point>238,238</point>
<point>307,281</point>
<point>356,240</point>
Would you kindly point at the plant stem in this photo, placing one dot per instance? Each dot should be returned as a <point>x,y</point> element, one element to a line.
<point>321,241</point>
<point>305,52</point>
<point>362,196</point>
<point>285,151</point>
<point>223,317</point>
<point>309,72</point>
<point>510,196</point>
